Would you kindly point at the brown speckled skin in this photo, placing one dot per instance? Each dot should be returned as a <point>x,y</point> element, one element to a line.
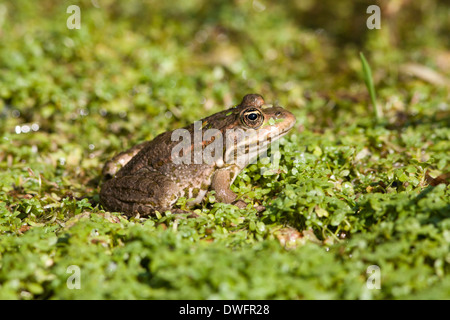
<point>150,180</point>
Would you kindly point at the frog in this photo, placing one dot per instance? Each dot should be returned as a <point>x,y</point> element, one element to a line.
<point>151,176</point>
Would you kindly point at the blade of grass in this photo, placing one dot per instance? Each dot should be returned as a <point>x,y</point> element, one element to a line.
<point>367,73</point>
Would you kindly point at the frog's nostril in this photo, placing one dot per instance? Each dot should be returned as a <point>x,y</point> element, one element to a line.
<point>278,113</point>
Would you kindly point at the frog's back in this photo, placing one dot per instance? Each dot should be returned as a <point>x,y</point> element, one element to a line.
<point>153,154</point>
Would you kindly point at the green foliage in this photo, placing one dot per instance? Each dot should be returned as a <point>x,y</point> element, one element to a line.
<point>370,86</point>
<point>350,192</point>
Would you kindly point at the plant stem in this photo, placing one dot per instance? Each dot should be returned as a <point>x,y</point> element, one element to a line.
<point>367,72</point>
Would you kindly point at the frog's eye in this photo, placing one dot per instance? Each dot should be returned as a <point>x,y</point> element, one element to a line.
<point>252,118</point>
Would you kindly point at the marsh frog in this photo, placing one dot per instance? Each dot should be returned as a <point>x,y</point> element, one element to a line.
<point>206,155</point>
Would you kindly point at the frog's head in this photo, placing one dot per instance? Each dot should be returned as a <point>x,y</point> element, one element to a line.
<point>253,116</point>
<point>257,127</point>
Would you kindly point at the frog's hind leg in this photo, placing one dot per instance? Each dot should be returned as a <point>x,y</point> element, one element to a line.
<point>144,192</point>
<point>119,161</point>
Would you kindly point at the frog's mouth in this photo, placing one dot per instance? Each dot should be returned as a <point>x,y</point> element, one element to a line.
<point>245,146</point>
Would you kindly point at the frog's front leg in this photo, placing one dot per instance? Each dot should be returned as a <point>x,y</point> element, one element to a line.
<point>119,161</point>
<point>221,182</point>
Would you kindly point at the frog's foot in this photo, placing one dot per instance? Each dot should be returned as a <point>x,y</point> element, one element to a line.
<point>181,211</point>
<point>260,208</point>
<point>145,212</point>
<point>241,204</point>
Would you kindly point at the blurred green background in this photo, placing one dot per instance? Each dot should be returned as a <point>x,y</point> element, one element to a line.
<point>352,192</point>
